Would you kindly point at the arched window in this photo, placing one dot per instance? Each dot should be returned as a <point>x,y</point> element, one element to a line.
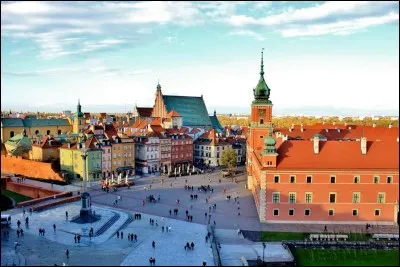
<point>11,134</point>
<point>48,132</point>
<point>37,132</point>
<point>58,131</point>
<point>261,121</point>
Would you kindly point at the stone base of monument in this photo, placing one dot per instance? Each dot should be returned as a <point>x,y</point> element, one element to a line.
<point>86,216</point>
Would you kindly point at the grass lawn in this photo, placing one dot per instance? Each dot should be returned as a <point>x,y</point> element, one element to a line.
<point>17,197</point>
<point>279,236</point>
<point>346,257</point>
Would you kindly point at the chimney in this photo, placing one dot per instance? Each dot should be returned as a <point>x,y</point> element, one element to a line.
<point>374,125</point>
<point>364,145</point>
<point>292,126</point>
<point>302,129</point>
<point>290,129</point>
<point>390,126</point>
<point>316,145</point>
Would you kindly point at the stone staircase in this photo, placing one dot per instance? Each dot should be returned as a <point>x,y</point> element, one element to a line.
<point>130,219</point>
<point>108,224</point>
<point>229,236</point>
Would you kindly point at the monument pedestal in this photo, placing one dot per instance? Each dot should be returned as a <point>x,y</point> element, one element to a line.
<point>86,214</point>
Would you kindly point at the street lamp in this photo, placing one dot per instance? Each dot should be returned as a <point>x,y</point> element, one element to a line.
<point>263,244</point>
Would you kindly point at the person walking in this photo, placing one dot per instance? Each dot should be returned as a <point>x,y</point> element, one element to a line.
<point>117,234</point>
<point>66,215</point>
<point>21,232</point>
<point>204,263</point>
<point>79,238</point>
<point>18,233</point>
<point>75,238</point>
<point>67,254</point>
<point>153,244</point>
<point>18,223</point>
<point>122,235</point>
<point>54,227</point>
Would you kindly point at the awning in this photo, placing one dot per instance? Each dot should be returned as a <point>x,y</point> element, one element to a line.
<point>125,168</point>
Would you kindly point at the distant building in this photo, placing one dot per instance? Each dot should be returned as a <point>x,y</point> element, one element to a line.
<point>45,149</point>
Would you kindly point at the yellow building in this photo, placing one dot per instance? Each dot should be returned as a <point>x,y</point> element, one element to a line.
<point>123,155</point>
<point>71,160</point>
<point>45,149</point>
<point>13,126</point>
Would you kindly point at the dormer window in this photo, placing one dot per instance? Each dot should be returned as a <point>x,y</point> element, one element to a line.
<point>261,121</point>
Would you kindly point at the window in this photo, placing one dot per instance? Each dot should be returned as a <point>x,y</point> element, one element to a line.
<point>261,136</point>
<point>275,197</point>
<point>309,179</point>
<point>389,179</point>
<point>356,197</point>
<point>377,212</point>
<point>308,197</point>
<point>333,179</point>
<point>276,212</point>
<point>291,212</point>
<point>355,212</point>
<point>292,179</point>
<point>58,132</point>
<point>276,179</point>
<point>48,132</point>
<point>332,197</point>
<point>376,179</point>
<point>11,134</point>
<point>330,212</point>
<point>292,197</point>
<point>381,197</point>
<point>307,212</point>
<point>356,179</point>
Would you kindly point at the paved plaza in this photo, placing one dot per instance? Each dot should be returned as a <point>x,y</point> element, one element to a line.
<point>107,249</point>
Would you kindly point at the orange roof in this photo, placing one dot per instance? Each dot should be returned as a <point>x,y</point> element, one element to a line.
<point>156,121</point>
<point>299,154</point>
<point>173,113</point>
<point>144,112</point>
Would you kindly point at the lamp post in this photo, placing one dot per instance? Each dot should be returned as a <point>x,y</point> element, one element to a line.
<point>263,244</point>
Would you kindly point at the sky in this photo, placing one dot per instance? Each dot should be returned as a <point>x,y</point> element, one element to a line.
<point>329,58</point>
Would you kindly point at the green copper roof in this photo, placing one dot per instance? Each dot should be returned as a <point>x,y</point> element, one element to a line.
<point>79,112</point>
<point>11,122</point>
<point>262,91</point>
<point>216,124</point>
<point>45,122</point>
<point>19,139</point>
<point>269,143</point>
<point>192,109</point>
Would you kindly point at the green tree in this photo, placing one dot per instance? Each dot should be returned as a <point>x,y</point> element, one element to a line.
<point>229,159</point>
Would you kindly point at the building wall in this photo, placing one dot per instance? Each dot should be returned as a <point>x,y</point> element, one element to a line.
<point>5,132</point>
<point>45,154</point>
<point>107,160</point>
<point>30,131</point>
<point>30,190</point>
<point>181,151</point>
<point>78,124</point>
<point>320,189</point>
<point>117,153</point>
<point>94,164</point>
<point>165,149</point>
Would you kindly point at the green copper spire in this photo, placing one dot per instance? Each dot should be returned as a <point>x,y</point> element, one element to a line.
<point>79,110</point>
<point>269,143</point>
<point>262,91</point>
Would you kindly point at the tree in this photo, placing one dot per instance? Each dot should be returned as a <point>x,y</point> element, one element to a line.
<point>229,159</point>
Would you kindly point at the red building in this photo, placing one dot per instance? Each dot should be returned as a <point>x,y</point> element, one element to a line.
<point>181,150</point>
<point>325,175</point>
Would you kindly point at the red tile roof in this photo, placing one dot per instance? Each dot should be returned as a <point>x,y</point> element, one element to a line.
<point>156,121</point>
<point>299,154</point>
<point>144,112</point>
<point>173,113</point>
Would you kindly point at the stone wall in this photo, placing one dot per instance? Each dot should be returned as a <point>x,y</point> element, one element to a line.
<point>30,190</point>
<point>28,168</point>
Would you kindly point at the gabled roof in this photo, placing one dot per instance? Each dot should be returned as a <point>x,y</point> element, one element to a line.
<point>156,121</point>
<point>185,129</point>
<point>144,111</point>
<point>173,113</point>
<point>19,139</point>
<point>216,124</point>
<point>192,109</point>
<point>299,154</point>
<point>45,143</point>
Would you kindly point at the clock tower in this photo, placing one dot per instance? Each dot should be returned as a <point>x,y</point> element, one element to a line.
<point>260,121</point>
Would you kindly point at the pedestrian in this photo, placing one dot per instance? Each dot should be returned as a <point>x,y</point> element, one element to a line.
<point>67,253</point>
<point>18,233</point>
<point>162,228</point>
<point>27,220</point>
<point>122,235</point>
<point>206,200</point>
<point>16,245</point>
<point>117,234</point>
<point>238,231</point>
<point>215,223</point>
<point>66,215</point>
<point>54,227</point>
<point>150,260</point>
<point>23,210</point>
<point>135,237</point>
<point>169,212</point>
<point>18,223</point>
<point>21,232</point>
<point>79,238</point>
<point>325,229</point>
<point>153,244</point>
<point>169,228</point>
<point>204,263</point>
<point>43,231</point>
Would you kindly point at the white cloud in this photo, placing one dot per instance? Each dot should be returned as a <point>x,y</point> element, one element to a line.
<point>342,27</point>
<point>257,36</point>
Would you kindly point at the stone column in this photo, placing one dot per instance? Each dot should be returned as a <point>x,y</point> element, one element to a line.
<point>84,156</point>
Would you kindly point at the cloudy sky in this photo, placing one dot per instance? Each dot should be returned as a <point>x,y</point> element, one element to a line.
<point>327,55</point>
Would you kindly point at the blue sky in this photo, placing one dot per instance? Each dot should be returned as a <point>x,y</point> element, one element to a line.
<point>325,56</point>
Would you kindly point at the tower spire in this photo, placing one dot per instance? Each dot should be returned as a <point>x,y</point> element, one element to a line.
<point>262,62</point>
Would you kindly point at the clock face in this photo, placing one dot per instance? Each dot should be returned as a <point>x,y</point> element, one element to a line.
<point>261,113</point>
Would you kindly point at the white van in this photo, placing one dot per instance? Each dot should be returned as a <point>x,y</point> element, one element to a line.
<point>5,219</point>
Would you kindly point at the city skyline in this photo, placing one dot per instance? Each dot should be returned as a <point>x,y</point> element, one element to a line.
<point>323,56</point>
